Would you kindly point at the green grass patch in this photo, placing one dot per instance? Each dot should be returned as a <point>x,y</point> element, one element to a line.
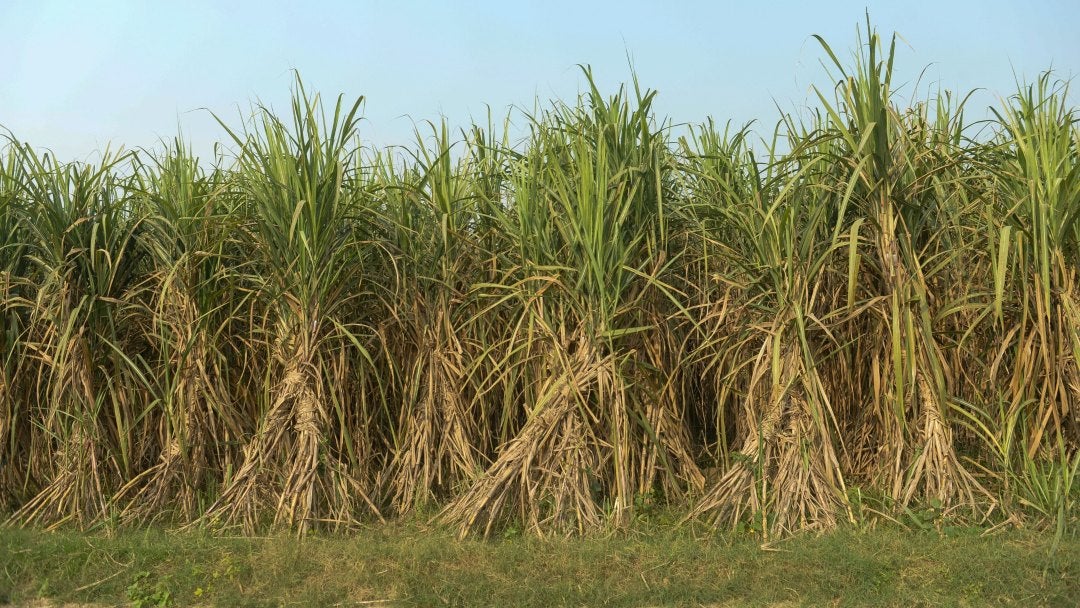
<point>410,565</point>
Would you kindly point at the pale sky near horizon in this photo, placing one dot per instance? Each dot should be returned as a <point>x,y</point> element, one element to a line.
<point>79,75</point>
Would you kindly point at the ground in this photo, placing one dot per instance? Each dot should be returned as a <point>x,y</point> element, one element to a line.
<point>412,565</point>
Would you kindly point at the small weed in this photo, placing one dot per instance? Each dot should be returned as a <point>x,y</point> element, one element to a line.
<point>144,593</point>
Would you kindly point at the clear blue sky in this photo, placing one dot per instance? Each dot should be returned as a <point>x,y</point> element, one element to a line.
<point>78,75</point>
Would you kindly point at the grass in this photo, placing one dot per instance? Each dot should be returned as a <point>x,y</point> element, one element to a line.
<point>411,565</point>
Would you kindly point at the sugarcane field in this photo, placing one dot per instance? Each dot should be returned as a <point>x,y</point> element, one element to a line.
<point>573,353</point>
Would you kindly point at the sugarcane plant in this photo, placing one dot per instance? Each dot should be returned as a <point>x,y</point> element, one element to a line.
<point>303,465</point>
<point>83,257</point>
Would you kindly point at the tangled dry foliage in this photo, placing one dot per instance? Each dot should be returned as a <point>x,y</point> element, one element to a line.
<point>553,334</point>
